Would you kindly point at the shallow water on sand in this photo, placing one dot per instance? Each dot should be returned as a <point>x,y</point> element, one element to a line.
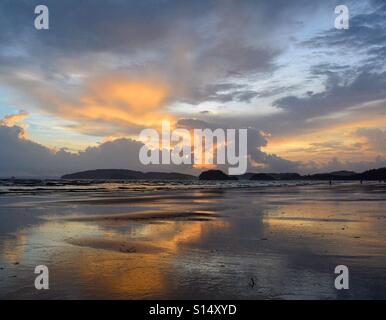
<point>260,242</point>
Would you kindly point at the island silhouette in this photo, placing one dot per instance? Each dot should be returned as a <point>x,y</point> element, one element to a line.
<point>123,174</point>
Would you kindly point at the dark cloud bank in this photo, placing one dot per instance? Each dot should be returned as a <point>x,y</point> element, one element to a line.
<point>24,158</point>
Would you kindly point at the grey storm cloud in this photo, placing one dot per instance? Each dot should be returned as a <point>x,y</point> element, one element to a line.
<point>110,25</point>
<point>23,157</point>
<point>340,95</point>
<point>364,88</point>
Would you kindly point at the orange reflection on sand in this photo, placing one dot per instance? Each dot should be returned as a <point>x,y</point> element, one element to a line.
<point>12,249</point>
<point>174,234</point>
<point>139,274</point>
<point>325,216</point>
<point>120,264</point>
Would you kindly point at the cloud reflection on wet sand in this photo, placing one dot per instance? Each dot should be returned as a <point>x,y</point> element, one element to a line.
<point>287,239</point>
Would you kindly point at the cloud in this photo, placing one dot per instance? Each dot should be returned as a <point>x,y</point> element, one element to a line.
<point>222,92</point>
<point>23,157</point>
<point>11,120</point>
<point>345,74</point>
<point>132,26</point>
<point>338,96</point>
<point>325,108</point>
<point>257,159</point>
<point>186,46</point>
<point>367,29</point>
<point>333,147</point>
<point>122,101</point>
<point>364,42</point>
<point>376,138</point>
<point>16,119</point>
<point>336,164</point>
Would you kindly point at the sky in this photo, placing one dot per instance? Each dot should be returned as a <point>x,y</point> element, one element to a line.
<point>76,96</point>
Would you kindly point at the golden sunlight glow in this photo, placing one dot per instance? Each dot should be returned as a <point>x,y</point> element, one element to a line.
<point>122,102</point>
<point>323,144</point>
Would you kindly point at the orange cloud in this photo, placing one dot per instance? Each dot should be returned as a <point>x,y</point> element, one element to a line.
<point>138,103</point>
<point>13,119</point>
<point>114,102</point>
<point>323,144</point>
<point>16,119</point>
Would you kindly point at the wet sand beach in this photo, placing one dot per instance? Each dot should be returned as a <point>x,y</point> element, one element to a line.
<point>112,241</point>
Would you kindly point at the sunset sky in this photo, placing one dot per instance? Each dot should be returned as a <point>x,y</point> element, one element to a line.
<point>77,95</point>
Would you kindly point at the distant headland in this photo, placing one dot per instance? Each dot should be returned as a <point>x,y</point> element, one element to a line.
<point>122,174</point>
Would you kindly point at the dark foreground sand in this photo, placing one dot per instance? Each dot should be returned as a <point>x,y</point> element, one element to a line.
<point>256,243</point>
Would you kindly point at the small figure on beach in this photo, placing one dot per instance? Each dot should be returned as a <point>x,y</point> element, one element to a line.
<point>330,182</point>
<point>252,283</point>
